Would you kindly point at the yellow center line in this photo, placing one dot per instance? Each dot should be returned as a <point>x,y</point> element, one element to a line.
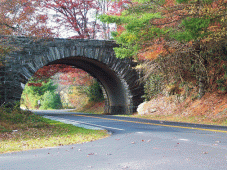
<point>156,124</point>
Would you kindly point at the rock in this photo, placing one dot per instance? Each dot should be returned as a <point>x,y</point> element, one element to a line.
<point>140,109</point>
<point>145,108</point>
<point>152,110</point>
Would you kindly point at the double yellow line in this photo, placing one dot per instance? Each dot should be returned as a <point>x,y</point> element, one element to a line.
<point>156,124</point>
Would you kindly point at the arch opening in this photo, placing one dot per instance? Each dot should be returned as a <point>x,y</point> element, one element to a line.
<point>61,86</point>
<point>116,91</point>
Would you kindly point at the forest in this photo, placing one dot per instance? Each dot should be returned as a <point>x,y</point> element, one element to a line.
<point>180,47</point>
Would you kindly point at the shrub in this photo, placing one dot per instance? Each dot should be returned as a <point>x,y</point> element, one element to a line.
<point>94,92</point>
<point>50,100</point>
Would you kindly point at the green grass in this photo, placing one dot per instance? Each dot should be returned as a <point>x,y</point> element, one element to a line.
<point>23,130</point>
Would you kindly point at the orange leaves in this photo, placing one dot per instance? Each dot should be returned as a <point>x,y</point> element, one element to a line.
<point>151,52</point>
<point>157,48</point>
<point>215,27</point>
<point>169,3</point>
<point>74,15</point>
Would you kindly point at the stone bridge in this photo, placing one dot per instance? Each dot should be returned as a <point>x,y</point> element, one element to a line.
<point>117,76</point>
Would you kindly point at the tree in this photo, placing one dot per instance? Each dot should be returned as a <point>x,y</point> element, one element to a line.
<point>21,18</point>
<point>179,39</point>
<point>94,92</point>
<point>40,91</point>
<point>67,75</point>
<point>50,100</point>
<point>81,16</point>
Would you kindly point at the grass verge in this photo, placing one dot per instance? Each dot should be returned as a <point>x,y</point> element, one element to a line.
<point>92,108</point>
<point>184,119</point>
<point>23,130</point>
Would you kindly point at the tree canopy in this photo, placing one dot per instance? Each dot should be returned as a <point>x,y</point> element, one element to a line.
<point>180,40</point>
<point>154,28</point>
<point>21,17</point>
<point>80,16</point>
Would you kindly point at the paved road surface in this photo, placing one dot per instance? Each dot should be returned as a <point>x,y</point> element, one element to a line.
<point>134,144</point>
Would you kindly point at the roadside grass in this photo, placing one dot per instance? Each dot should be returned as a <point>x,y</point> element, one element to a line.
<point>22,130</point>
<point>92,108</point>
<point>184,119</point>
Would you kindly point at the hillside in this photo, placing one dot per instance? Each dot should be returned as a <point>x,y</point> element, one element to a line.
<point>210,109</point>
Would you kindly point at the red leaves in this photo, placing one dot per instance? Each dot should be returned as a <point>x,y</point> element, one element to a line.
<point>69,76</point>
<point>116,7</point>
<point>74,15</point>
<point>22,14</point>
<point>35,84</point>
<point>79,16</point>
<point>48,71</point>
<point>42,18</point>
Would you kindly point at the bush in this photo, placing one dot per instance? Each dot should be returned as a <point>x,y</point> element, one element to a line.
<point>153,86</point>
<point>40,91</point>
<point>50,100</point>
<point>94,92</point>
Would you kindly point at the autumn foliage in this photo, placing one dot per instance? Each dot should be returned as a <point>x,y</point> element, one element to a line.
<point>20,17</point>
<point>176,41</point>
<point>80,16</point>
<point>69,75</point>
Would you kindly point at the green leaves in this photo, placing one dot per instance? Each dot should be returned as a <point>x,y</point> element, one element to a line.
<point>194,29</point>
<point>94,92</point>
<point>181,1</point>
<point>110,19</point>
<point>133,32</point>
<point>136,23</point>
<point>50,100</point>
<point>43,91</point>
<point>122,52</point>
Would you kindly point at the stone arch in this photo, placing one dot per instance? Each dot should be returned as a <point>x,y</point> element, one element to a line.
<point>96,57</point>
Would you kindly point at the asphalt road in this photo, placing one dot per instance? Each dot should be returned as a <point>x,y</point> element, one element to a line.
<point>134,144</point>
